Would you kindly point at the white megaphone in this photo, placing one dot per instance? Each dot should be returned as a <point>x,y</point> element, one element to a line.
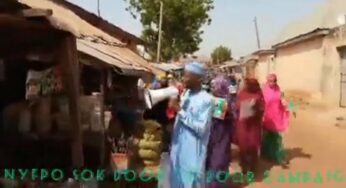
<point>152,97</point>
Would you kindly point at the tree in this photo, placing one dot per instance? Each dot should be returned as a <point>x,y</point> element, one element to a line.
<point>181,25</point>
<point>221,54</point>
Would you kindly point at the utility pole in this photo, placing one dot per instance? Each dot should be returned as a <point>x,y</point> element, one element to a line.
<point>98,8</point>
<point>257,34</point>
<point>160,34</point>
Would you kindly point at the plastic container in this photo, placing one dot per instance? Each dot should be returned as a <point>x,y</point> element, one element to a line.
<point>108,117</point>
<point>96,125</point>
<point>119,161</point>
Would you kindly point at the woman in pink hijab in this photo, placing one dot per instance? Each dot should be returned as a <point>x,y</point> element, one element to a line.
<point>275,121</point>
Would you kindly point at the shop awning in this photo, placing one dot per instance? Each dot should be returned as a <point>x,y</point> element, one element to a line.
<point>104,53</point>
<point>167,66</point>
<point>93,41</point>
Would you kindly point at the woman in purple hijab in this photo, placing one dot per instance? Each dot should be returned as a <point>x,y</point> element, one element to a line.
<point>219,147</point>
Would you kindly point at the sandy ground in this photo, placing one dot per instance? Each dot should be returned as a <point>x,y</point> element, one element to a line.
<point>316,147</point>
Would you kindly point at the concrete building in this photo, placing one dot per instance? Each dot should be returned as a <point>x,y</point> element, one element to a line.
<point>313,64</point>
<point>310,56</point>
<point>265,64</point>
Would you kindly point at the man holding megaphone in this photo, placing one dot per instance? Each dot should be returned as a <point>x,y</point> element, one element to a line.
<point>156,101</point>
<point>191,131</point>
<point>192,125</point>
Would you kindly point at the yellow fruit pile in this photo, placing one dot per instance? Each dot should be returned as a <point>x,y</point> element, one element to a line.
<point>150,147</point>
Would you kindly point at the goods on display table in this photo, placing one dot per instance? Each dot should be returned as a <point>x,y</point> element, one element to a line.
<point>150,146</point>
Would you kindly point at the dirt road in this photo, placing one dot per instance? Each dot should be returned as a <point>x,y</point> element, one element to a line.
<point>316,147</point>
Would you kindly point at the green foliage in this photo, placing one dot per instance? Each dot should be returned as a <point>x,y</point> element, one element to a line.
<point>181,24</point>
<point>221,54</point>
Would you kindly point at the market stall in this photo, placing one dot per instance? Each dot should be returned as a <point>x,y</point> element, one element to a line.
<point>62,80</point>
<point>39,66</point>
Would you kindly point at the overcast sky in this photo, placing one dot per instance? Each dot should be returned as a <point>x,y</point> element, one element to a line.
<point>232,21</point>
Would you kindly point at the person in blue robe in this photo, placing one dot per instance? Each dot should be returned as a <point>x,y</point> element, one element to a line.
<point>191,132</point>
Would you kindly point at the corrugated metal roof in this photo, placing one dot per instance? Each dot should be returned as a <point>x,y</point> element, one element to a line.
<point>100,22</point>
<point>67,20</point>
<point>100,52</point>
<point>190,58</point>
<point>167,66</point>
<point>230,64</point>
<point>106,48</point>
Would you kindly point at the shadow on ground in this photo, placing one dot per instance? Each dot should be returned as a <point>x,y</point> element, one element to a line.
<point>291,153</point>
<point>264,166</point>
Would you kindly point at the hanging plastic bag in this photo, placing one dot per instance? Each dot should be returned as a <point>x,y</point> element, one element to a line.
<point>32,90</point>
<point>36,83</point>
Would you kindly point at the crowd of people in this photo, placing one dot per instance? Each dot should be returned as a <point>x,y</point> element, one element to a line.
<point>199,144</point>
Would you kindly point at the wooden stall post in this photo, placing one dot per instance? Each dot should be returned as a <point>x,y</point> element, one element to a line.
<point>102,108</point>
<point>69,60</point>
